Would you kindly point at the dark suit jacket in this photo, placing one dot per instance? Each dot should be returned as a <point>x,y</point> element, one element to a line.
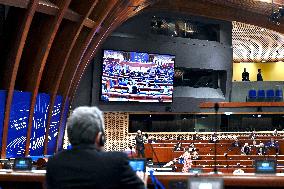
<point>139,142</point>
<point>85,167</point>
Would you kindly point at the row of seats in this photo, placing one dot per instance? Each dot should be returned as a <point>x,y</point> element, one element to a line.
<point>265,95</point>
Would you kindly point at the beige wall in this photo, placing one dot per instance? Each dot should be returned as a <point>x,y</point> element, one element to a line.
<point>270,71</point>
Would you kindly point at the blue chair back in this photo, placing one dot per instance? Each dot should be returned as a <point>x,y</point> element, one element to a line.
<point>278,95</point>
<point>270,93</point>
<point>261,94</point>
<point>252,93</point>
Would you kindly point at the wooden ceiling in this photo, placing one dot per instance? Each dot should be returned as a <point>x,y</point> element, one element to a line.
<point>256,44</point>
<point>47,44</point>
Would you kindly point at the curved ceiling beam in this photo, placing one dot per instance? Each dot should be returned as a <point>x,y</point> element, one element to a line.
<point>219,9</point>
<point>77,51</point>
<point>40,60</point>
<point>13,64</point>
<point>94,46</point>
<point>58,54</point>
<point>122,16</point>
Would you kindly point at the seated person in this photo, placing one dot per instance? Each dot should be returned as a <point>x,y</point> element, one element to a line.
<point>192,147</point>
<point>254,144</point>
<point>196,137</point>
<point>151,139</point>
<point>178,147</point>
<point>179,137</point>
<point>262,150</point>
<point>87,165</point>
<point>195,154</point>
<point>252,135</point>
<point>273,144</point>
<point>246,149</point>
<point>214,138</point>
<point>236,143</point>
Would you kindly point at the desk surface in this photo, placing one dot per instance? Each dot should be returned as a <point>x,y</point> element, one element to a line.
<point>246,179</point>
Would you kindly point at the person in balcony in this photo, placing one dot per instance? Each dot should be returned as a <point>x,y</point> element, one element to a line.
<point>245,75</point>
<point>259,76</point>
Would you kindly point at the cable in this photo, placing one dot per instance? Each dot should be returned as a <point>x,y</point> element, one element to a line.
<point>155,181</point>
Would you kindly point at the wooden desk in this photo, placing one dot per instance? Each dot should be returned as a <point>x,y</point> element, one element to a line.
<point>248,180</point>
<point>22,180</point>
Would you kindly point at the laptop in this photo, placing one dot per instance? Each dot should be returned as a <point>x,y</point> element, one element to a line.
<point>22,164</point>
<point>138,164</point>
<point>205,183</point>
<point>265,166</point>
<point>195,170</point>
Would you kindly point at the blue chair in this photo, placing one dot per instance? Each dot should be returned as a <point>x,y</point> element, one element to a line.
<point>252,95</point>
<point>278,95</point>
<point>270,95</point>
<point>261,95</point>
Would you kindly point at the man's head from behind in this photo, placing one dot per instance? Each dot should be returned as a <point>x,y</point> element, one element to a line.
<point>86,126</point>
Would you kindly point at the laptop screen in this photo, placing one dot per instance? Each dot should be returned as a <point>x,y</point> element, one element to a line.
<point>195,170</point>
<point>205,183</point>
<point>22,164</point>
<point>138,164</point>
<point>265,166</point>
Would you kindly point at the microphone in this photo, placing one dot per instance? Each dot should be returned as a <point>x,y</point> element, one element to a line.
<point>216,107</point>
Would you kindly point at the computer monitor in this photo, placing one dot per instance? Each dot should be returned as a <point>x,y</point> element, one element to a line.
<point>22,164</point>
<point>205,183</point>
<point>138,164</point>
<point>195,170</point>
<point>265,166</point>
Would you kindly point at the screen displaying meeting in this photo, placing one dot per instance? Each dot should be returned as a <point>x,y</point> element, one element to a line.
<point>137,77</point>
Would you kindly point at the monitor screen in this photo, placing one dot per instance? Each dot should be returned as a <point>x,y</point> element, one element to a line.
<point>195,170</point>
<point>137,77</point>
<point>138,164</point>
<point>265,166</point>
<point>205,183</point>
<point>22,164</point>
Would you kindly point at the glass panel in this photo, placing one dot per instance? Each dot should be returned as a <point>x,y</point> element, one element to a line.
<point>54,124</point>
<point>39,124</point>
<point>19,118</point>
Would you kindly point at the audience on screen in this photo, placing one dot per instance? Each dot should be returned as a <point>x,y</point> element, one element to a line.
<point>262,150</point>
<point>273,144</point>
<point>87,165</point>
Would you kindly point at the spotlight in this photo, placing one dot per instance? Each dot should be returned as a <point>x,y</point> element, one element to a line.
<point>281,11</point>
<point>275,17</point>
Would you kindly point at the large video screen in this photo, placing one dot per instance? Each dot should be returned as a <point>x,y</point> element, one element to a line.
<point>137,77</point>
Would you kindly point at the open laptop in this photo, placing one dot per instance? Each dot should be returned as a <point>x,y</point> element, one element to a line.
<point>22,164</point>
<point>265,166</point>
<point>195,170</point>
<point>205,183</point>
<point>138,164</point>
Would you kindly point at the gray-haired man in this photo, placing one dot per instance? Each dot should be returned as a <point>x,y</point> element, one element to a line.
<point>86,165</point>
